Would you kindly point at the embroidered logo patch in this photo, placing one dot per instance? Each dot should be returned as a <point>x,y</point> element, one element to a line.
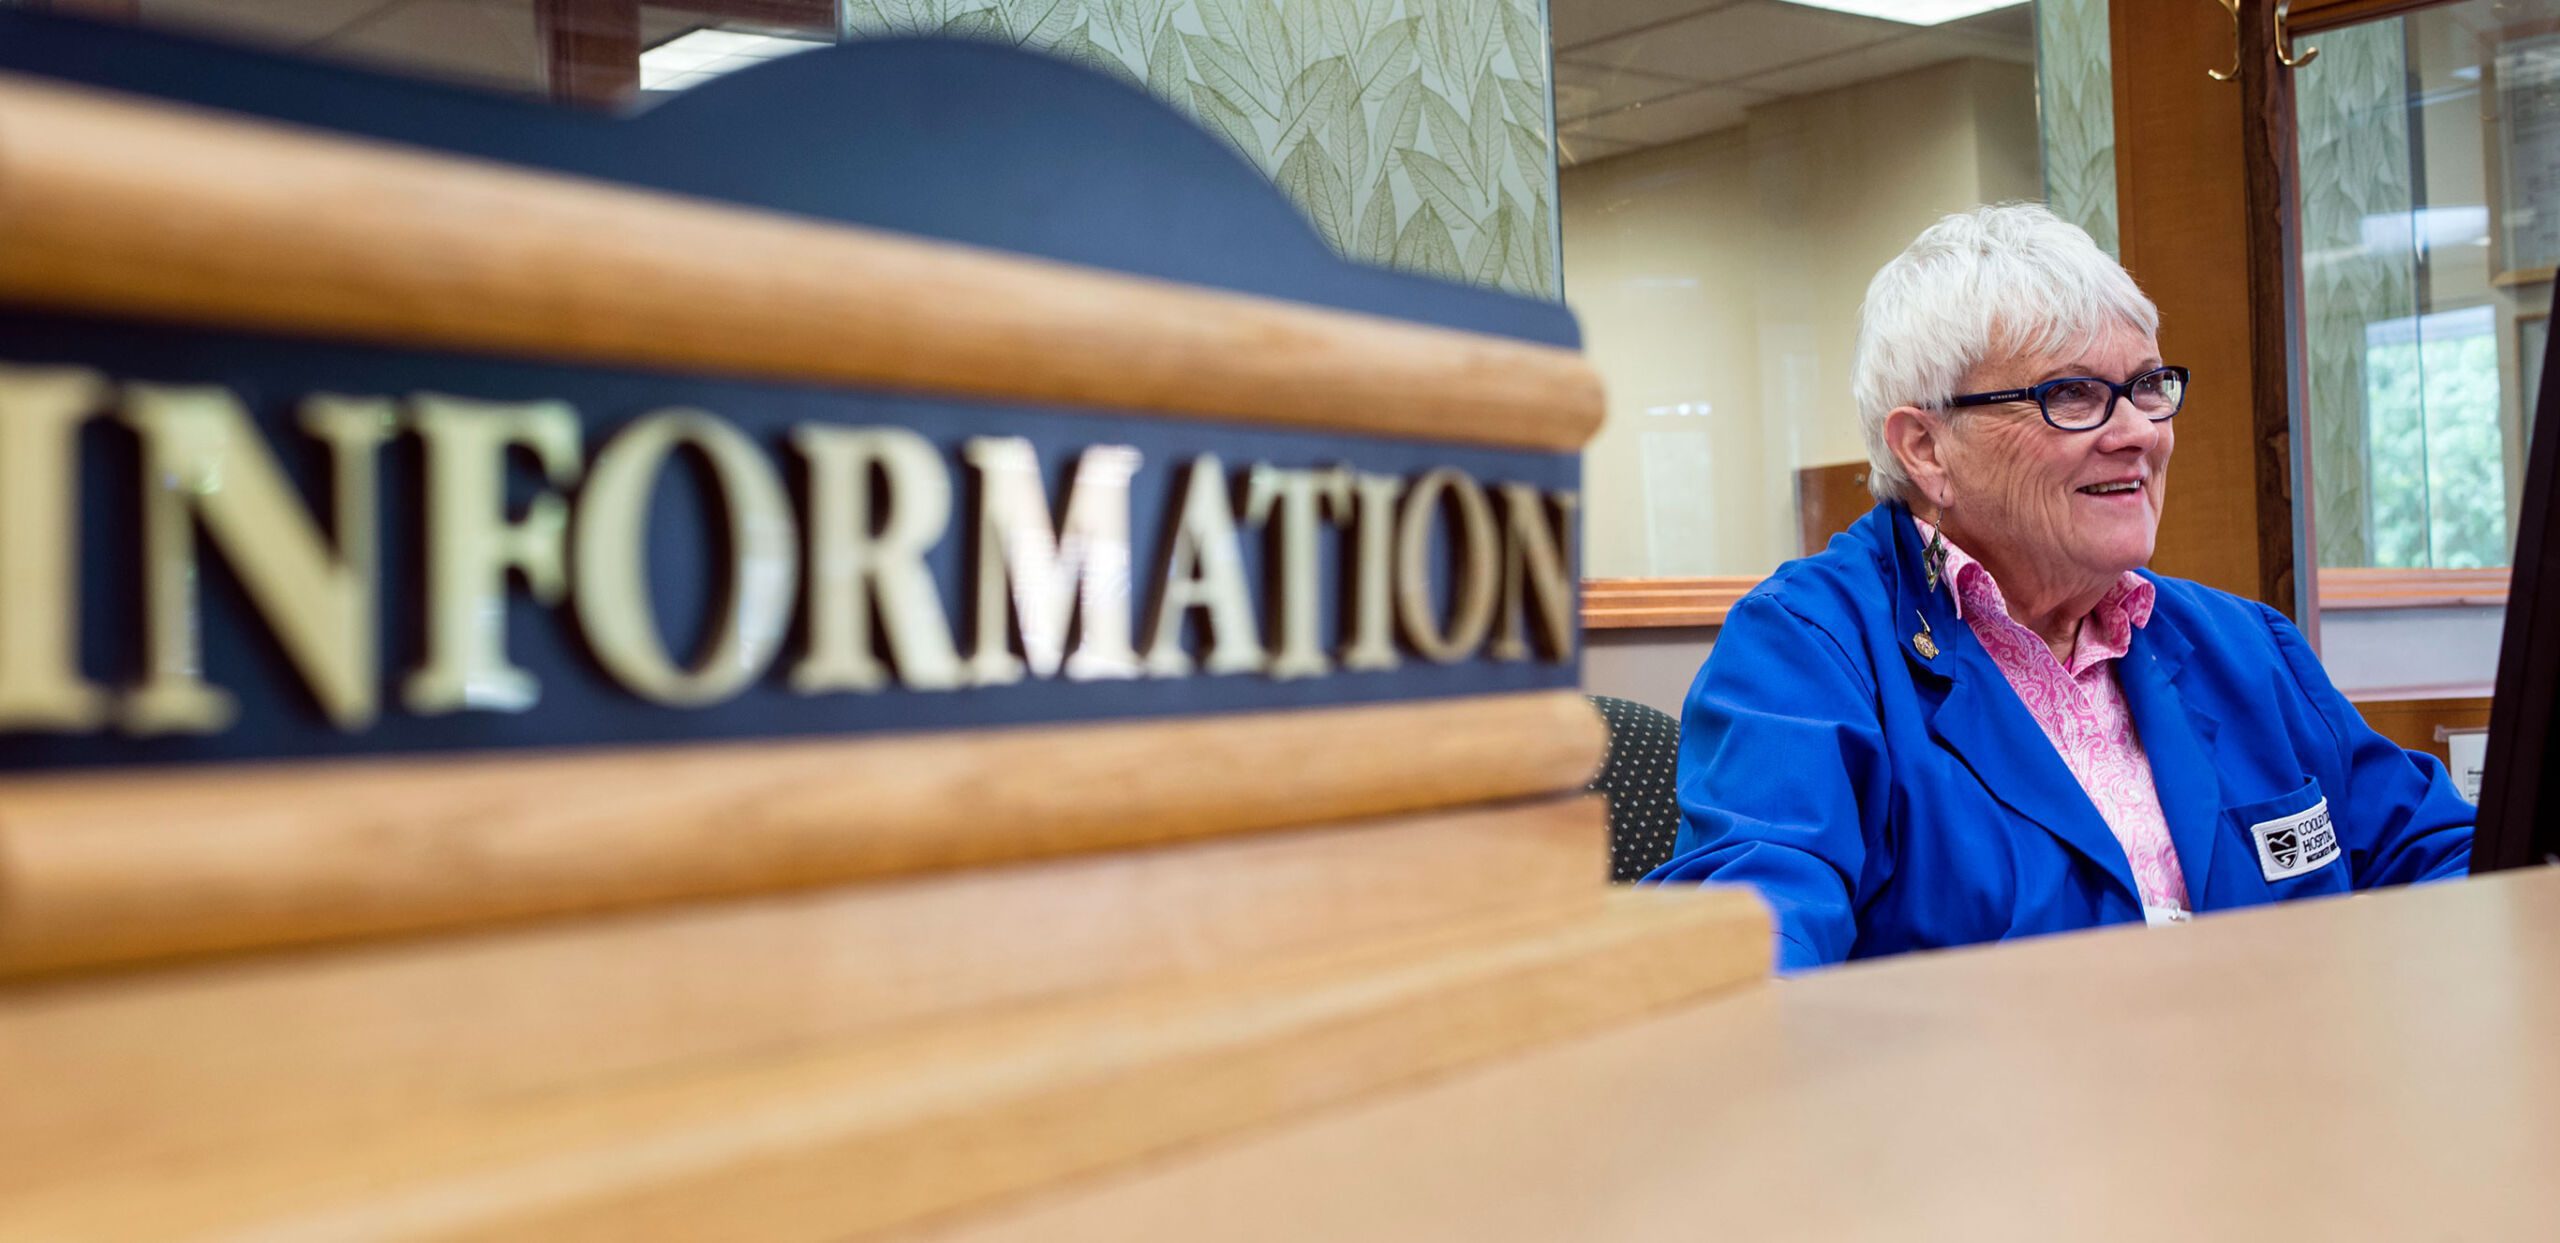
<point>2292,845</point>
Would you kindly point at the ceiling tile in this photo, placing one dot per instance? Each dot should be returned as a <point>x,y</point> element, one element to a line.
<point>1577,22</point>
<point>1576,150</point>
<point>1663,120</point>
<point>1876,60</point>
<point>1747,38</point>
<point>2017,23</point>
<point>1991,42</point>
<point>1582,90</point>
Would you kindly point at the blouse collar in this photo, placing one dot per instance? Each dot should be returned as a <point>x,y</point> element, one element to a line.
<point>2105,634</point>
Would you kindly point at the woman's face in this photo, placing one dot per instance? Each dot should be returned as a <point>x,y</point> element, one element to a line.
<point>2033,501</point>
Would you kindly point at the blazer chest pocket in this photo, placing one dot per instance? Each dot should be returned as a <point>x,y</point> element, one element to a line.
<point>2293,842</point>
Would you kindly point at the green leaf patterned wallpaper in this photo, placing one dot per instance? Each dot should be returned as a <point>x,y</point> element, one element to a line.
<point>2075,87</point>
<point>1415,133</point>
<point>2352,135</point>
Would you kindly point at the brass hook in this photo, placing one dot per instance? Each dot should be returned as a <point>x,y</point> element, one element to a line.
<point>2218,75</point>
<point>2284,42</point>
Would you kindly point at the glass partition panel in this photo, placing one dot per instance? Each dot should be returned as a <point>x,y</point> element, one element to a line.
<point>2429,156</point>
<point>1736,173</point>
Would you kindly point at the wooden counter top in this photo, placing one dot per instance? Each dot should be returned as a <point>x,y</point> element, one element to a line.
<point>2377,1067</point>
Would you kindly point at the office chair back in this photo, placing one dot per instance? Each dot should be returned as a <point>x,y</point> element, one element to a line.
<point>1644,816</point>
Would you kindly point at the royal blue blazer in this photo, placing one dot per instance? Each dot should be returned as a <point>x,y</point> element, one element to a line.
<point>1882,799</point>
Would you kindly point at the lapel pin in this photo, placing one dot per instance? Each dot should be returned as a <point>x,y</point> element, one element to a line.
<point>1924,642</point>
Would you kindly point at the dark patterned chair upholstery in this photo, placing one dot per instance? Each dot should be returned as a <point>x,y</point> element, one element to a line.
<point>1644,816</point>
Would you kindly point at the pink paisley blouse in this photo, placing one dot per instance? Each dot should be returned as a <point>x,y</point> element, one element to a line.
<point>2082,711</point>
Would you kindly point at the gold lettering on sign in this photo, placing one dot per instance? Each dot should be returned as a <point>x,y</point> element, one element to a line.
<point>1534,564</point>
<point>41,410</point>
<point>1058,581</point>
<point>1079,571</point>
<point>1300,497</point>
<point>851,565</point>
<point>472,544</point>
<point>1204,570</point>
<point>204,464</point>
<point>1474,552</point>
<point>610,574</point>
<point>1372,644</point>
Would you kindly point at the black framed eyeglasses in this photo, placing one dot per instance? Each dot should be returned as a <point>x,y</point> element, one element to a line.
<point>2079,403</point>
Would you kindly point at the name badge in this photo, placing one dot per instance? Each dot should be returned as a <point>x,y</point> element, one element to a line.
<point>2289,846</point>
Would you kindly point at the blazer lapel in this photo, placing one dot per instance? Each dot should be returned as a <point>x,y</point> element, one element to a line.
<point>2177,737</point>
<point>1980,718</point>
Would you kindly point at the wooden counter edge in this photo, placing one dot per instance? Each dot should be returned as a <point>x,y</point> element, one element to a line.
<point>852,1139</point>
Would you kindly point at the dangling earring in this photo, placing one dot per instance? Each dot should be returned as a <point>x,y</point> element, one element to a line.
<point>1934,555</point>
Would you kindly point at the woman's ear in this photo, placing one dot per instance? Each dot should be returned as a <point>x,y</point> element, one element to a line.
<point>1917,439</point>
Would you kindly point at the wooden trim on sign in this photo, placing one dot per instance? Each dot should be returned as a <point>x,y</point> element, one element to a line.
<point>127,207</point>
<point>269,1047</point>
<point>97,870</point>
<point>1638,603</point>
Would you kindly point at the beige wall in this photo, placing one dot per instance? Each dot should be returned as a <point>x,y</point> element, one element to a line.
<point>1654,266</point>
<point>1718,282</point>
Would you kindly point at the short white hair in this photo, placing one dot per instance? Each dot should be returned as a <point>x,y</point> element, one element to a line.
<point>1995,282</point>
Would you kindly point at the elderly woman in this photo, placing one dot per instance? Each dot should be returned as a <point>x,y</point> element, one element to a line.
<point>1975,715</point>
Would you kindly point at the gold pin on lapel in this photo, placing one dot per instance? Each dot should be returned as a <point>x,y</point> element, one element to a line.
<point>1924,642</point>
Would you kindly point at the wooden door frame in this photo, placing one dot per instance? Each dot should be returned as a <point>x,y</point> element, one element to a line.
<point>2216,252</point>
<point>2313,16</point>
<point>2179,134</point>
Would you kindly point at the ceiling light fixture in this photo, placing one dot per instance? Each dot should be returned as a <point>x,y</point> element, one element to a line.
<point>1909,12</point>
<point>697,56</point>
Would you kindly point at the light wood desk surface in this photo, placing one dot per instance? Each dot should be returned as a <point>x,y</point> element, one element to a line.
<point>2378,1067</point>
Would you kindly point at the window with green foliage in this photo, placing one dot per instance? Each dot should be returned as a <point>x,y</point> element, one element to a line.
<point>2436,466</point>
<point>2427,144</point>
